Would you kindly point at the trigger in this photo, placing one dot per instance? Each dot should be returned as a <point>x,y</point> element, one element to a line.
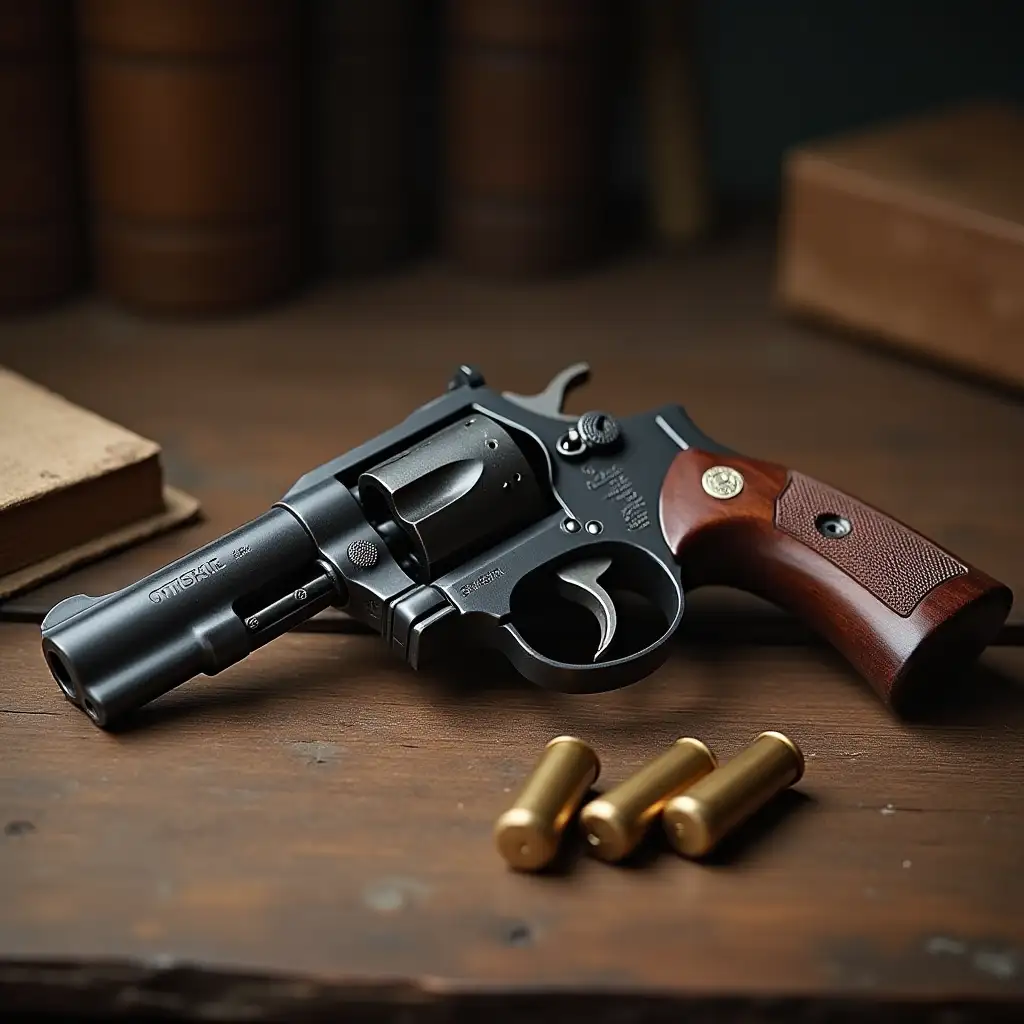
<point>578,583</point>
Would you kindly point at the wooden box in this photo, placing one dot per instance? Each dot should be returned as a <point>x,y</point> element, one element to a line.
<point>915,234</point>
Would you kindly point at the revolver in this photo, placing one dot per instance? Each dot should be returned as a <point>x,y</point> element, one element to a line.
<point>568,543</point>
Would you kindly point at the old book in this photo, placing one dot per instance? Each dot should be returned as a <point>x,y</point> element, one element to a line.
<point>915,234</point>
<point>525,111</point>
<point>40,243</point>
<point>192,139</point>
<point>72,485</point>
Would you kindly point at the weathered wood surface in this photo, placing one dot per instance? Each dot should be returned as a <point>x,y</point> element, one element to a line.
<point>318,818</point>
<point>320,811</point>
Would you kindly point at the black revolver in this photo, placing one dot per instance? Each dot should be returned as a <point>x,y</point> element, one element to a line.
<point>566,542</point>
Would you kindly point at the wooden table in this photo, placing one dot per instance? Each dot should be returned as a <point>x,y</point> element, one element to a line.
<point>310,832</point>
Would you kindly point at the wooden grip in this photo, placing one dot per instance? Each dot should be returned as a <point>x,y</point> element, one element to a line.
<point>904,611</point>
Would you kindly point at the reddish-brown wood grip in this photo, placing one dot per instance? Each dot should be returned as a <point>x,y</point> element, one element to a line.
<point>901,609</point>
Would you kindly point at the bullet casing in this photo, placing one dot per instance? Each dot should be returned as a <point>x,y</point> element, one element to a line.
<point>529,833</point>
<point>699,819</point>
<point>615,823</point>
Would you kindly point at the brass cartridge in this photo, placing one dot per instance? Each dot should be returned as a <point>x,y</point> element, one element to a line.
<point>529,833</point>
<point>616,822</point>
<point>697,820</point>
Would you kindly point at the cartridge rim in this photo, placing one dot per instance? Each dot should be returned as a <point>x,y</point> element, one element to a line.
<point>794,749</point>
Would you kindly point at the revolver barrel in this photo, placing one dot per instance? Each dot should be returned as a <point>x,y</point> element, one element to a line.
<point>200,614</point>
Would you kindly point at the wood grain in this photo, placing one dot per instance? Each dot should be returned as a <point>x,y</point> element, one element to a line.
<point>321,810</point>
<point>907,615</point>
<point>913,233</point>
<point>312,828</point>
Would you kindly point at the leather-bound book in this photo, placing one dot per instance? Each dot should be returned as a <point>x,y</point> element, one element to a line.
<point>40,243</point>
<point>193,147</point>
<point>360,101</point>
<point>73,486</point>
<point>525,125</point>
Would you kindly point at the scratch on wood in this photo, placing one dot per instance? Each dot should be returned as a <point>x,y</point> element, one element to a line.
<point>18,828</point>
<point>943,957</point>
<point>388,895</point>
<point>1001,965</point>
<point>317,751</point>
<point>938,945</point>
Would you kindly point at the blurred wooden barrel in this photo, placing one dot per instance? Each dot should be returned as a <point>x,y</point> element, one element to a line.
<point>362,86</point>
<point>40,250</point>
<point>525,131</point>
<point>192,134</point>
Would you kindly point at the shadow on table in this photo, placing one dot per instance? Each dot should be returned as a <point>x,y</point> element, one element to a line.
<point>985,696</point>
<point>775,816</point>
<point>489,673</point>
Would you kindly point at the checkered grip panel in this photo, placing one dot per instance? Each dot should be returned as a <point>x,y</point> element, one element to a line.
<point>893,563</point>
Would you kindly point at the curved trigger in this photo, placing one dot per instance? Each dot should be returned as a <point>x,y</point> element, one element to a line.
<point>578,583</point>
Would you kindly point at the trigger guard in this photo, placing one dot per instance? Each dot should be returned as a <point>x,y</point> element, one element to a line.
<point>597,677</point>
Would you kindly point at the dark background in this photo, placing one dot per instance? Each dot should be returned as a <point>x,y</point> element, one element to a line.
<point>778,74</point>
<point>769,77</point>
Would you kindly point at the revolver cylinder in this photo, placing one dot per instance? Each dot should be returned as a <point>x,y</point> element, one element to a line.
<point>452,493</point>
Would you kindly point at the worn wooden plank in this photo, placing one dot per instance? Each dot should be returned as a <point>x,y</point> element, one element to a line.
<point>318,810</point>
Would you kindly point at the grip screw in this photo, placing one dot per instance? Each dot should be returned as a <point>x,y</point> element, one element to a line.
<point>833,526</point>
<point>570,444</point>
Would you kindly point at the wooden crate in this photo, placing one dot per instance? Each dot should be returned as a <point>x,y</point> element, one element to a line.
<point>915,234</point>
